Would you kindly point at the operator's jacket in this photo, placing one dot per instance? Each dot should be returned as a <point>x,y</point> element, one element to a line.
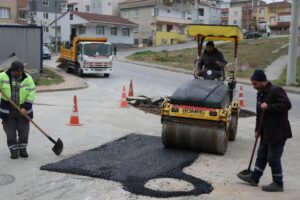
<point>26,93</point>
<point>208,58</point>
<point>275,123</point>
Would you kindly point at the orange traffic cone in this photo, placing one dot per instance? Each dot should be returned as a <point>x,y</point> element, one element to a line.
<point>74,119</point>
<point>123,103</point>
<point>241,97</point>
<point>130,92</point>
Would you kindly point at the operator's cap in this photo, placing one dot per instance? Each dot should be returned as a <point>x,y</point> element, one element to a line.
<point>259,75</point>
<point>17,66</point>
<point>210,43</point>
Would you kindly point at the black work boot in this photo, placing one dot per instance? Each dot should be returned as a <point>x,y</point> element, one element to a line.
<point>272,187</point>
<point>14,154</point>
<point>23,153</point>
<point>247,178</point>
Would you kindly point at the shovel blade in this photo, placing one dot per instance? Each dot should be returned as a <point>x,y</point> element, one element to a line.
<point>58,147</point>
<point>245,172</point>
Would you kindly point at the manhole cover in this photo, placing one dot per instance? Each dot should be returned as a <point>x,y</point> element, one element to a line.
<point>6,179</point>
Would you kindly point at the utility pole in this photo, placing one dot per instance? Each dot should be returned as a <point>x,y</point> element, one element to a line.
<point>56,43</point>
<point>292,61</point>
<point>195,16</point>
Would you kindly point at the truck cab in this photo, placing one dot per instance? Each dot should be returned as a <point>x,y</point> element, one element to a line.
<point>94,58</point>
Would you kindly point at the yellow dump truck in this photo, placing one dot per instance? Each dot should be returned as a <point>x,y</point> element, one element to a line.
<point>87,56</point>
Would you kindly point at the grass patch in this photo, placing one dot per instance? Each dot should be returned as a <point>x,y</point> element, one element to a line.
<point>48,77</point>
<point>257,53</point>
<point>282,79</point>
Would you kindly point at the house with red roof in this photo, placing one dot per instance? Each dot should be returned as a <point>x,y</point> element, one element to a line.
<point>72,24</point>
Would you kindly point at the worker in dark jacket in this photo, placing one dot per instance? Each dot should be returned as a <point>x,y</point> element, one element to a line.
<point>212,58</point>
<point>273,105</point>
<point>19,87</point>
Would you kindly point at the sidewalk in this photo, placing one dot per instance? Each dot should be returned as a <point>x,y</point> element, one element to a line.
<point>71,82</point>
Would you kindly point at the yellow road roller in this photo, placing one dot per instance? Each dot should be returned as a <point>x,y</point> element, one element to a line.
<point>202,114</point>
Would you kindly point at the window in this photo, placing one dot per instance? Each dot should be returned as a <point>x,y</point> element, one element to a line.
<point>46,2</point>
<point>169,27</point>
<point>284,18</point>
<point>71,16</point>
<point>135,13</point>
<point>81,30</point>
<point>87,8</point>
<point>125,32</point>
<point>273,10</point>
<point>272,20</point>
<point>234,22</point>
<point>155,12</point>
<point>114,31</point>
<point>126,14</point>
<point>22,15</point>
<point>100,30</point>
<point>235,13</point>
<point>4,13</point>
<point>200,11</point>
<point>46,29</point>
<point>45,15</point>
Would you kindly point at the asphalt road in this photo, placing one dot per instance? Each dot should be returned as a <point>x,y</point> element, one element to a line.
<point>103,121</point>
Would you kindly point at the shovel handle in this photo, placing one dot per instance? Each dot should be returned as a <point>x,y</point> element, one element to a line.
<point>26,116</point>
<point>256,139</point>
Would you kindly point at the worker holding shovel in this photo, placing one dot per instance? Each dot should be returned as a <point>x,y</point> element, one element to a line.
<point>273,128</point>
<point>19,87</point>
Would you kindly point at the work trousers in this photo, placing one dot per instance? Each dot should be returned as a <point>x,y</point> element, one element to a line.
<point>16,128</point>
<point>269,153</point>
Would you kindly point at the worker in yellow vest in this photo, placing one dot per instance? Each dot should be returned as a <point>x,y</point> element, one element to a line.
<point>20,88</point>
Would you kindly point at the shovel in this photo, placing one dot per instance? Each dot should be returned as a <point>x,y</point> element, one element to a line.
<point>248,171</point>
<point>58,145</point>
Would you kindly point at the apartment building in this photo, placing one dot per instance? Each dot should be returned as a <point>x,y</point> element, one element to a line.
<point>277,15</point>
<point>105,7</point>
<point>165,21</point>
<point>43,13</point>
<point>8,11</point>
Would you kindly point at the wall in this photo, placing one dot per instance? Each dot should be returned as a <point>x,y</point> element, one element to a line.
<point>167,38</point>
<point>235,14</point>
<point>25,42</point>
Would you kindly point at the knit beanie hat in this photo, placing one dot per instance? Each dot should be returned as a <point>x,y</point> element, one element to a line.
<point>17,66</point>
<point>210,43</point>
<point>259,75</point>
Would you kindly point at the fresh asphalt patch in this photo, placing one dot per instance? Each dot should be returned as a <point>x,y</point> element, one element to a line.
<point>134,160</point>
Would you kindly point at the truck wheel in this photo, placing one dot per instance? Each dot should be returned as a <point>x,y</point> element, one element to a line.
<point>79,71</point>
<point>67,69</point>
<point>106,75</point>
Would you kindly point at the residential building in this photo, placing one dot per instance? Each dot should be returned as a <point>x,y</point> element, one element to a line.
<point>8,11</point>
<point>225,5</point>
<point>207,12</point>
<point>23,12</point>
<point>118,30</point>
<point>105,7</point>
<point>45,12</point>
<point>277,15</point>
<point>243,13</point>
<point>165,21</point>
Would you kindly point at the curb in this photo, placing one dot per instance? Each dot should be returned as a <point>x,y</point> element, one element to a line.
<point>289,89</point>
<point>64,85</point>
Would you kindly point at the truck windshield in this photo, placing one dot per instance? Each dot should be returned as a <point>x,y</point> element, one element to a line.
<point>97,49</point>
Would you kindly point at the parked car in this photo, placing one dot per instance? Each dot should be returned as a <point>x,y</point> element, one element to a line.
<point>46,53</point>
